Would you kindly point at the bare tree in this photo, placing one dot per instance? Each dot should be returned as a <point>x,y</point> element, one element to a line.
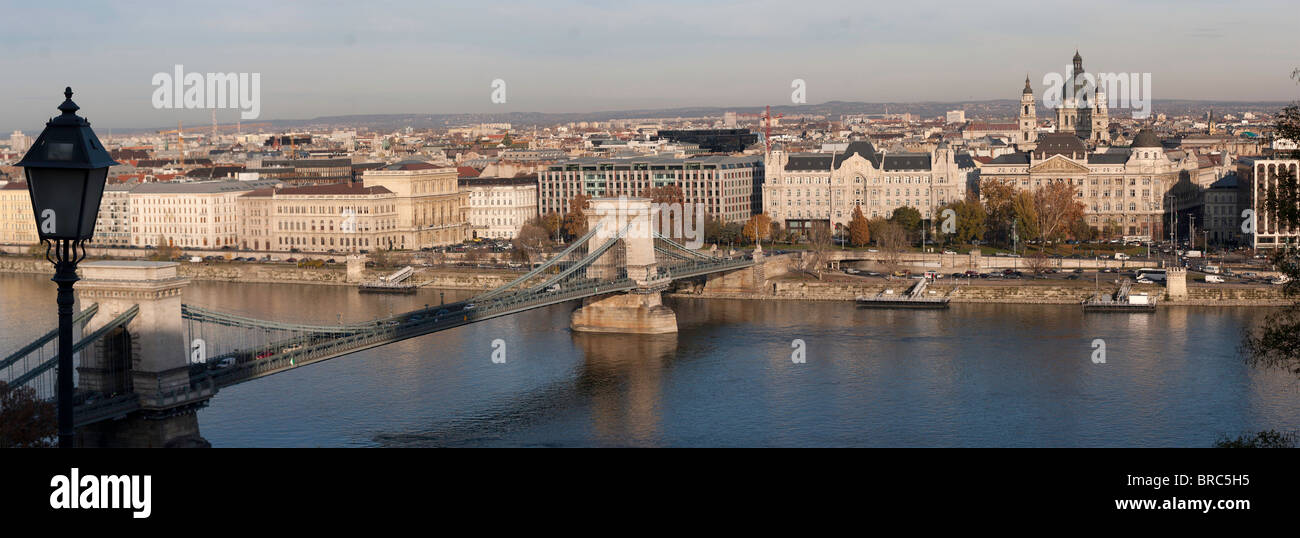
<point>892,239</point>
<point>1056,205</point>
<point>819,244</point>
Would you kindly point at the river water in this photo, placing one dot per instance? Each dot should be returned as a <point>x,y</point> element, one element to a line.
<point>974,375</point>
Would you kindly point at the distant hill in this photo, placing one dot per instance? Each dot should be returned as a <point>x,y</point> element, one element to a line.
<point>991,109</point>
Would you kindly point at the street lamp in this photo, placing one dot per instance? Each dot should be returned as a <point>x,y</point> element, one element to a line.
<point>66,168</point>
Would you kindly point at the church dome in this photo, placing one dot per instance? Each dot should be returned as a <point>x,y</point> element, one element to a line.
<point>1146,139</point>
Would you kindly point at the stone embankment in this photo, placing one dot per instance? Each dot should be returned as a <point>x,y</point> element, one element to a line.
<point>477,279</point>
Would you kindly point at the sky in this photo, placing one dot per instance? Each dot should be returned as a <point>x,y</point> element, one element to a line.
<point>327,58</point>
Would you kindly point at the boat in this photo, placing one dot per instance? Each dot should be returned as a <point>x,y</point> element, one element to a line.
<point>915,298</point>
<point>1123,300</point>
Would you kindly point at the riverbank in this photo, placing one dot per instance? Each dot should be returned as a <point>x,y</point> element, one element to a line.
<point>1027,291</point>
<point>791,287</point>
<point>430,277</point>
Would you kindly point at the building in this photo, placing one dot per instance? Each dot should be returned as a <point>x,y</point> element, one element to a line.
<point>1221,216</point>
<point>498,207</point>
<point>431,208</point>
<point>802,189</point>
<point>727,187</point>
<point>1122,189</point>
<point>20,142</point>
<point>1028,116</point>
<point>17,225</point>
<point>113,223</point>
<point>335,218</point>
<point>1083,110</point>
<point>714,140</point>
<point>1256,176</point>
<point>299,172</point>
<point>201,215</point>
<point>955,116</point>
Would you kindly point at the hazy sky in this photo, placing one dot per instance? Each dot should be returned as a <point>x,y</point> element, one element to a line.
<point>335,58</point>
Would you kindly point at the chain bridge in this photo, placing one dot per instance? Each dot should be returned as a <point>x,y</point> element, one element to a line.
<point>146,361</point>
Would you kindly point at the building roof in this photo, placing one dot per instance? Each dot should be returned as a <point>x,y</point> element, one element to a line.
<point>824,161</point>
<point>497,181</point>
<point>202,187</point>
<point>14,185</point>
<point>337,189</point>
<point>1146,139</point>
<point>466,171</point>
<point>1011,158</point>
<point>1228,181</point>
<point>1113,157</point>
<point>1060,143</point>
<point>907,161</point>
<point>411,165</point>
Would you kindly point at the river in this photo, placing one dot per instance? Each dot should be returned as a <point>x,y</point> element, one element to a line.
<point>974,375</point>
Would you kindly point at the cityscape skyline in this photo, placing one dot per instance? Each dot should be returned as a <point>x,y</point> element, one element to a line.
<point>318,62</point>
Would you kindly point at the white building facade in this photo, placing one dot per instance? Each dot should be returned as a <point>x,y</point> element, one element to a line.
<point>499,207</point>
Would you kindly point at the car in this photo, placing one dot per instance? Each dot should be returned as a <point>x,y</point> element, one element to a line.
<point>1072,277</point>
<point>1213,279</point>
<point>1077,271</point>
<point>960,275</point>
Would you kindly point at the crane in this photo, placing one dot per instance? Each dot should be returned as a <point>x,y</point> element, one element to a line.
<point>766,118</point>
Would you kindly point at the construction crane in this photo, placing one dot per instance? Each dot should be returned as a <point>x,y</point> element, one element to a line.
<point>766,118</point>
<point>179,131</point>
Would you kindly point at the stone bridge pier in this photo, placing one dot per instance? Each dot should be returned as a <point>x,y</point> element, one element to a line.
<point>147,357</point>
<point>640,311</point>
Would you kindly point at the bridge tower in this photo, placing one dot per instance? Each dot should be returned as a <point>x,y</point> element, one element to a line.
<point>640,311</point>
<point>148,357</point>
<point>1176,283</point>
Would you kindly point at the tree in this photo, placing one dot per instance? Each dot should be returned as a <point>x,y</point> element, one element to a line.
<point>907,217</point>
<point>891,238</point>
<point>165,251</point>
<point>720,232</point>
<point>552,223</point>
<point>575,222</point>
<point>859,230</point>
<point>1038,262</point>
<point>25,420</point>
<point>532,237</point>
<point>757,227</point>
<point>379,257</point>
<point>998,196</point>
<point>970,220</point>
<point>1026,217</point>
<point>1081,230</point>
<point>1276,342</point>
<point>819,244</point>
<point>1056,205</point>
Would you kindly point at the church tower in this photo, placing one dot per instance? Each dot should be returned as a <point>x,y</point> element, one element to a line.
<point>1100,117</point>
<point>1028,117</point>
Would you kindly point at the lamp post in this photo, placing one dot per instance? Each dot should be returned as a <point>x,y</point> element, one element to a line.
<point>66,169</point>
